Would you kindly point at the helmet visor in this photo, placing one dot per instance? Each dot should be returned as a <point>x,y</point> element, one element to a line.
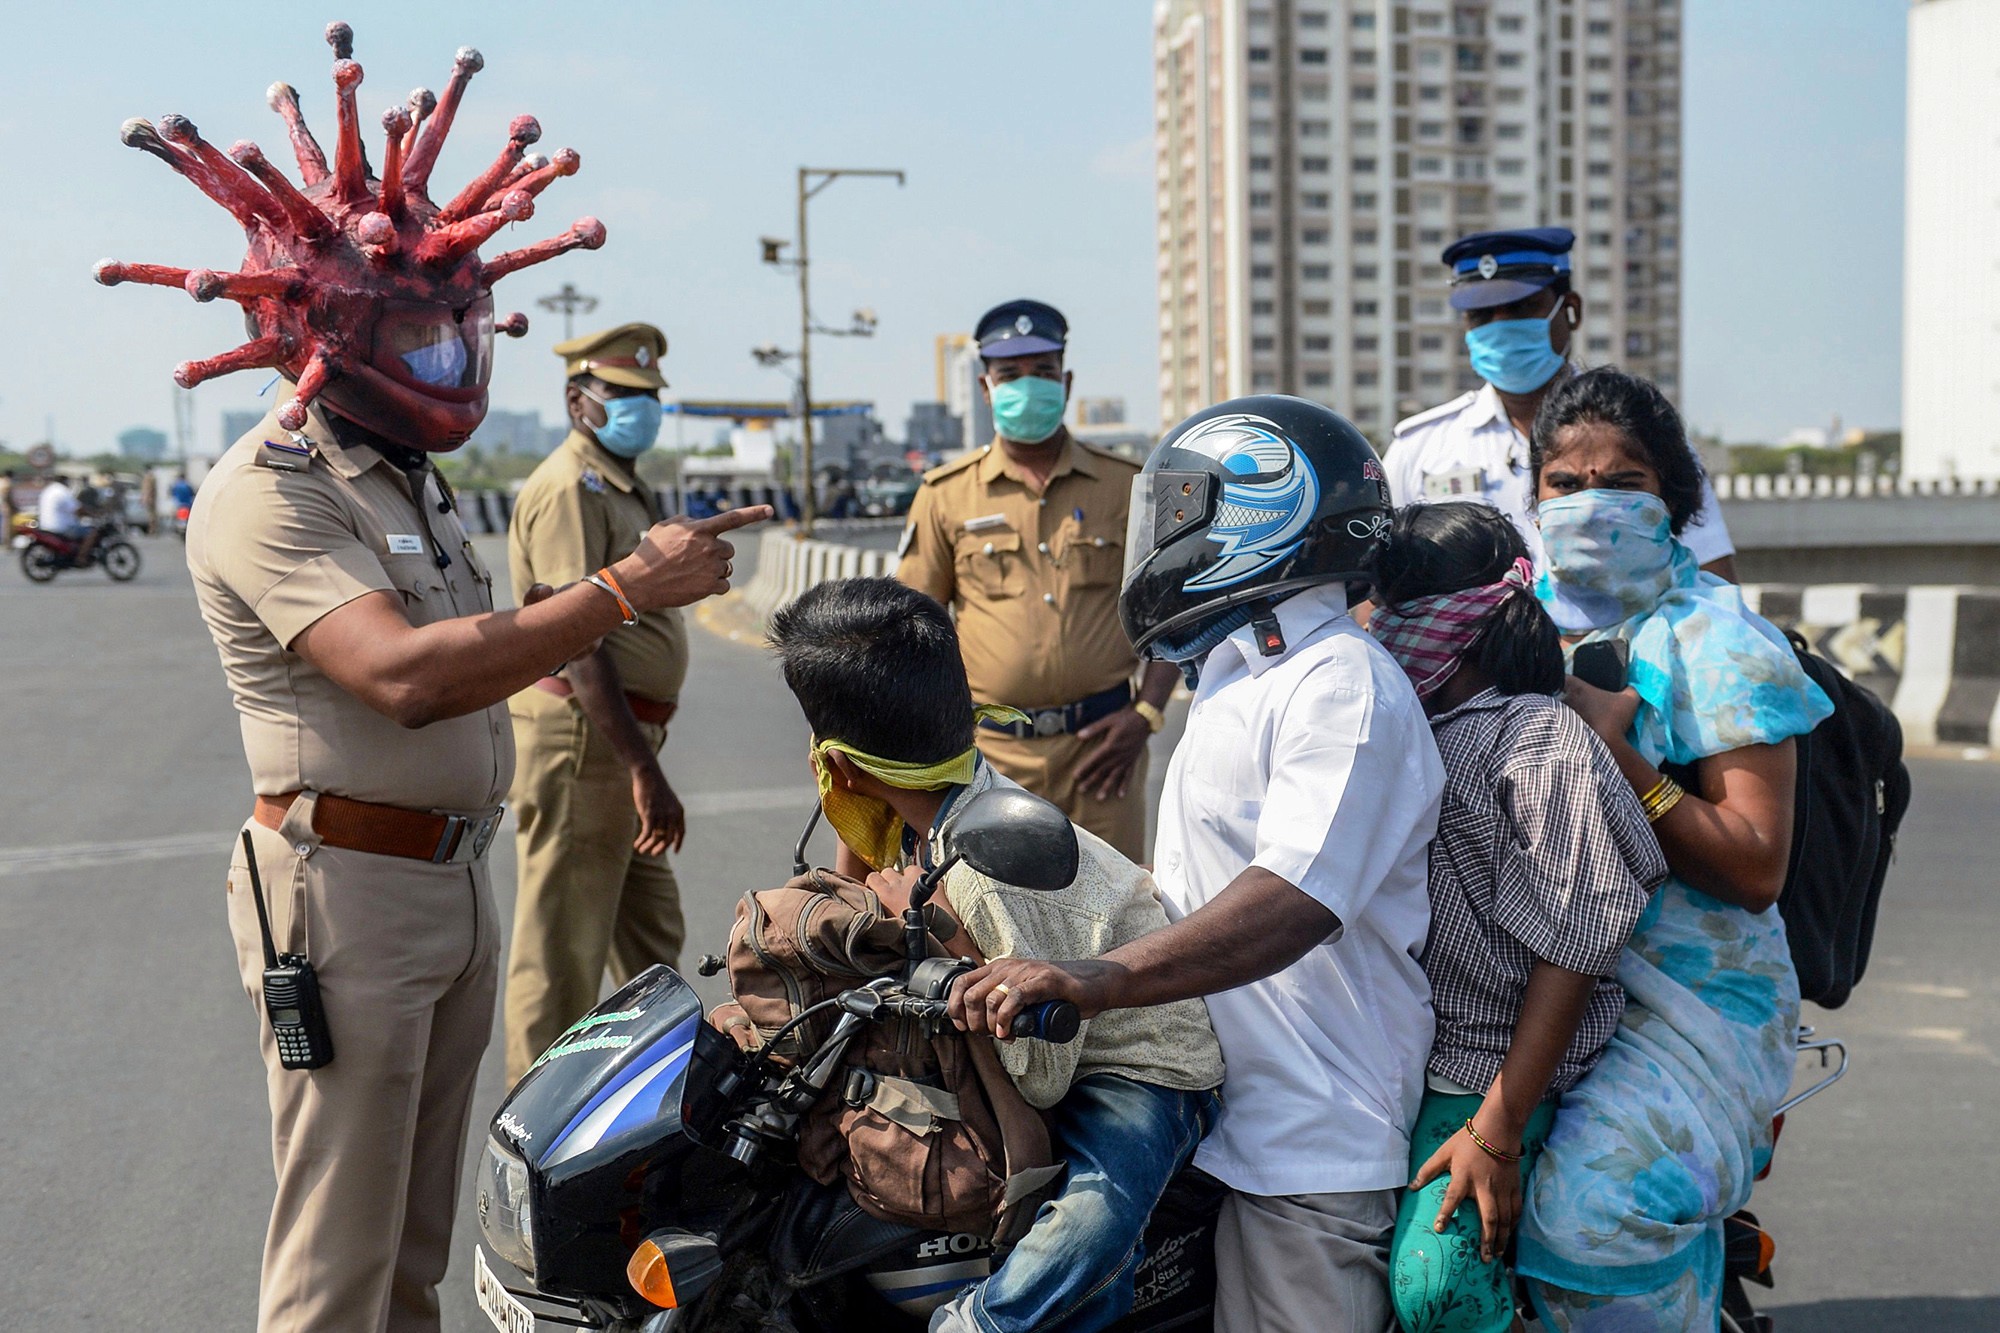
<point>436,346</point>
<point>1164,505</point>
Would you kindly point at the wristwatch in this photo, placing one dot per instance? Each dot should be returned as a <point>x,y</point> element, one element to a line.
<point>1155,719</point>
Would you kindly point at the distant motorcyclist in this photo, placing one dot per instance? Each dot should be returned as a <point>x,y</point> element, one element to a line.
<point>61,510</point>
<point>876,668</point>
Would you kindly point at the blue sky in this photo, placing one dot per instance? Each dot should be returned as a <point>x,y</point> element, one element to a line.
<point>1026,132</point>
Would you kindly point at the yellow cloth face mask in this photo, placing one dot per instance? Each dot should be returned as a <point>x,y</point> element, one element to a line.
<point>869,826</point>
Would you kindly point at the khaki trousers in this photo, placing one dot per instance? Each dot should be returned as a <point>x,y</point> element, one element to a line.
<point>1304,1263</point>
<point>587,900</point>
<point>1046,766</point>
<point>368,1149</point>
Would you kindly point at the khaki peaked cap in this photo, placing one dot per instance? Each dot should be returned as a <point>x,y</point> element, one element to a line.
<point>628,355</point>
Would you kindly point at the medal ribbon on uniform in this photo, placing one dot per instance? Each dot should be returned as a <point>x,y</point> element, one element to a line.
<point>869,826</point>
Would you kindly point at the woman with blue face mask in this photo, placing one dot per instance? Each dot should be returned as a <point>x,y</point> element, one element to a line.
<point>1661,1140</point>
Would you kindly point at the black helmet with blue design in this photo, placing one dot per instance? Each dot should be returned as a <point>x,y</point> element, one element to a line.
<point>1241,505</point>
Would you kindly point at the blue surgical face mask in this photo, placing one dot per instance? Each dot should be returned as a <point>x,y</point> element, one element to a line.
<point>1028,410</point>
<point>441,363</point>
<point>630,424</point>
<point>1607,556</point>
<point>1515,355</point>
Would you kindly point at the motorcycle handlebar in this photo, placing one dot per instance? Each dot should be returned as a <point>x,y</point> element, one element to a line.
<point>1054,1020</point>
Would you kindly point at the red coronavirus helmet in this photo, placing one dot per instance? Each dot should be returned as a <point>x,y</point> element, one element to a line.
<point>364,293</point>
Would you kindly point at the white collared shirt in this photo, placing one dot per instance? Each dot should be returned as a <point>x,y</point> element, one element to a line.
<point>1319,767</point>
<point>1467,449</point>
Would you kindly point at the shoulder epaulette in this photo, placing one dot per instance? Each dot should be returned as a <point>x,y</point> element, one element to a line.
<point>956,465</point>
<point>293,454</point>
<point>1457,404</point>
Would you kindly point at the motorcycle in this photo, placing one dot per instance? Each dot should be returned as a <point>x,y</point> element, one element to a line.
<point>46,554</point>
<point>642,1177</point>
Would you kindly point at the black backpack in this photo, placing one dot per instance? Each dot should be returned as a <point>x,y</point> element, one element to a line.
<point>1852,792</point>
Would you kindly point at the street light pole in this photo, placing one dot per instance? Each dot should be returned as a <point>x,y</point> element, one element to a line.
<point>811,181</point>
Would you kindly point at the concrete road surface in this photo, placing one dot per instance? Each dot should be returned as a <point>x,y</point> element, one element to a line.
<point>134,1156</point>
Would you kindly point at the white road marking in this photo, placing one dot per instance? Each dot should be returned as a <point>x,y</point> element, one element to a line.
<point>218,843</point>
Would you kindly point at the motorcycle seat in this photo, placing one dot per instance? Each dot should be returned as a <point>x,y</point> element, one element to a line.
<point>821,1233</point>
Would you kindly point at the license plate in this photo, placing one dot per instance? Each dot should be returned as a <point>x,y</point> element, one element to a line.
<point>21,543</point>
<point>508,1315</point>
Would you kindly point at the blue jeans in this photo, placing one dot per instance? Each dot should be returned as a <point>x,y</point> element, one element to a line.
<point>1123,1140</point>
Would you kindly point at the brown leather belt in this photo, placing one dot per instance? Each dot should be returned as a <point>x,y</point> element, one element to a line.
<point>650,711</point>
<point>388,830</point>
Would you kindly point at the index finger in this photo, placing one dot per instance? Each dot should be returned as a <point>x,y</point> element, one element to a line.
<point>734,519</point>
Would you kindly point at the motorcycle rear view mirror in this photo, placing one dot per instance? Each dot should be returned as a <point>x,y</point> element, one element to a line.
<point>1015,837</point>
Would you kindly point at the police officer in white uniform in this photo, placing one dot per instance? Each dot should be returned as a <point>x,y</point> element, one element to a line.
<point>1520,320</point>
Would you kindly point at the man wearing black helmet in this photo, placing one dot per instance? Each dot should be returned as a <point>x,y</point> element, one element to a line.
<point>1291,854</point>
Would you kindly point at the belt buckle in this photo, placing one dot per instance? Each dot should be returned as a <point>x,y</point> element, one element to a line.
<point>465,839</point>
<point>1049,721</point>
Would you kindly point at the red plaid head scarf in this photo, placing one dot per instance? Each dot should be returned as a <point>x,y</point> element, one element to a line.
<point>1428,636</point>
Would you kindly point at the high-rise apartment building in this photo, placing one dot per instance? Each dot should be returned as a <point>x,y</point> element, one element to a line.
<point>1315,156</point>
<point>1951,232</point>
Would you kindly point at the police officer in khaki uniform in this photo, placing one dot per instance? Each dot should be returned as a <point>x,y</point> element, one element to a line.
<point>356,628</point>
<point>1025,541</point>
<point>596,813</point>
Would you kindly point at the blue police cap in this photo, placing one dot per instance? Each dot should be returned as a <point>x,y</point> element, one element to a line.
<point>1021,328</point>
<point>1492,268</point>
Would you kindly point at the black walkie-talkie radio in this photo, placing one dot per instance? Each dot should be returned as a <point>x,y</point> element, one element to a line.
<point>291,991</point>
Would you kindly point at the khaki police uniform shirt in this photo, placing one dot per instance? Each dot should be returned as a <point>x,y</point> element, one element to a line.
<point>1033,578</point>
<point>291,526</point>
<point>578,513</point>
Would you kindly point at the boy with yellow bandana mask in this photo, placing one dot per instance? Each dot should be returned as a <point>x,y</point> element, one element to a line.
<point>876,668</point>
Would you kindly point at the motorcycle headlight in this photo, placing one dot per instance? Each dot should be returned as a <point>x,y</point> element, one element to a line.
<point>506,1214</point>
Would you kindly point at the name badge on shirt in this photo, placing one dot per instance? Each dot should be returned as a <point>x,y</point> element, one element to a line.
<point>405,543</point>
<point>1459,481</point>
<point>986,523</point>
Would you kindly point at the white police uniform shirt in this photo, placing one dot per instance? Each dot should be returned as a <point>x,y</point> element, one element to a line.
<point>1319,767</point>
<point>1467,449</point>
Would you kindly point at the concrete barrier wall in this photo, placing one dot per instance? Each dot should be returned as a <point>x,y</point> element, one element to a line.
<point>788,564</point>
<point>1931,653</point>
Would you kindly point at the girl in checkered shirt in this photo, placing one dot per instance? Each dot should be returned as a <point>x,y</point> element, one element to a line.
<point>1542,864</point>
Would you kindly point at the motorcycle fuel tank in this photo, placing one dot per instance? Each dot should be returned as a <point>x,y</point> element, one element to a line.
<point>596,1123</point>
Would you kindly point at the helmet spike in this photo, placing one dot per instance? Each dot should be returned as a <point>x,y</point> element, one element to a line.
<point>583,234</point>
<point>350,170</point>
<point>306,222</point>
<point>268,351</point>
<point>455,240</point>
<point>523,131</point>
<point>564,163</point>
<point>292,416</point>
<point>217,177</point>
<point>111,272</point>
<point>140,134</point>
<point>421,103</point>
<point>340,37</point>
<point>514,325</point>
<point>396,123</point>
<point>417,171</point>
<point>284,100</point>
<point>205,284</point>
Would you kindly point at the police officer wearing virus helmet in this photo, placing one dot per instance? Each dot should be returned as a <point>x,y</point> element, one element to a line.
<point>1521,316</point>
<point>597,814</point>
<point>1292,854</point>
<point>357,633</point>
<point>1024,540</point>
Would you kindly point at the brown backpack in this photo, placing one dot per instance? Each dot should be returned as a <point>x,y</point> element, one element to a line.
<point>927,1130</point>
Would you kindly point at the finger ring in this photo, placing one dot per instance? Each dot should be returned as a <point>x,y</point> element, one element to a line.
<point>1003,990</point>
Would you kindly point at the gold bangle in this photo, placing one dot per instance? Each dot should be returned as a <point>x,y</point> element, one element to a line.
<point>1661,799</point>
<point>1155,719</point>
<point>1491,1151</point>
